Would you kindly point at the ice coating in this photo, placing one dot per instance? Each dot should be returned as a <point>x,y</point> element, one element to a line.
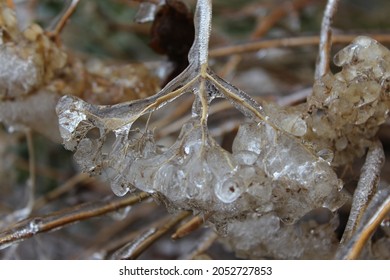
<point>270,169</point>
<point>200,49</point>
<point>266,237</point>
<point>27,58</point>
<point>347,108</point>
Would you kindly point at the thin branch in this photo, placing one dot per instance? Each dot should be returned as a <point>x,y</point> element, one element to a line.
<point>33,226</point>
<point>205,243</point>
<point>32,170</point>
<point>377,210</point>
<point>64,17</point>
<point>276,15</point>
<point>288,43</point>
<point>64,188</point>
<point>366,188</point>
<point>147,238</point>
<point>323,59</point>
<point>107,239</point>
<point>189,227</point>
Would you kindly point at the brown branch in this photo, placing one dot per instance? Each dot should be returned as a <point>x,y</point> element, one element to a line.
<point>205,243</point>
<point>366,188</point>
<point>33,226</point>
<point>189,227</point>
<point>323,59</point>
<point>66,14</point>
<point>64,188</point>
<point>277,14</point>
<point>289,42</point>
<point>377,210</point>
<point>146,239</point>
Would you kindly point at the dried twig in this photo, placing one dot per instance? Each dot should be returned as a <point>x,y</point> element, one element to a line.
<point>57,192</point>
<point>107,239</point>
<point>376,211</point>
<point>147,238</point>
<point>190,226</point>
<point>323,59</point>
<point>208,239</point>
<point>64,17</point>
<point>277,14</point>
<point>366,188</point>
<point>32,170</point>
<point>33,226</point>
<point>288,43</point>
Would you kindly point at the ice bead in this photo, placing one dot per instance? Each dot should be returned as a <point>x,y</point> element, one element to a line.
<point>229,190</point>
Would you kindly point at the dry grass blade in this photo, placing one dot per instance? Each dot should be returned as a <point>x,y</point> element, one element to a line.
<point>109,238</point>
<point>33,226</point>
<point>190,226</point>
<point>147,238</point>
<point>208,239</point>
<point>366,188</point>
<point>323,60</point>
<point>376,211</point>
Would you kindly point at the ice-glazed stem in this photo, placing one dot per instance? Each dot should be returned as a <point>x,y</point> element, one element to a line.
<point>135,248</point>
<point>33,226</point>
<point>377,210</point>
<point>199,52</point>
<point>366,187</point>
<point>322,66</point>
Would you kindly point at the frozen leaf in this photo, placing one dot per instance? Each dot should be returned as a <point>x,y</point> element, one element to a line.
<point>195,173</point>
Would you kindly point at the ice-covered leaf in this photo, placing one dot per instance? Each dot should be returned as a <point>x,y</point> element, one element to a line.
<point>270,169</point>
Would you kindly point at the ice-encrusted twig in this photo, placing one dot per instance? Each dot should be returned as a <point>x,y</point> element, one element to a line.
<point>147,238</point>
<point>29,228</point>
<point>207,240</point>
<point>199,51</point>
<point>196,173</point>
<point>60,190</point>
<point>376,211</point>
<point>323,59</point>
<point>24,212</point>
<point>31,182</point>
<point>366,188</point>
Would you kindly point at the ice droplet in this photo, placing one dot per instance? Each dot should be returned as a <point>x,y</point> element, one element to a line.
<point>34,225</point>
<point>229,190</point>
<point>294,125</point>
<point>121,213</point>
<point>246,157</point>
<point>326,155</point>
<point>200,174</point>
<point>118,187</point>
